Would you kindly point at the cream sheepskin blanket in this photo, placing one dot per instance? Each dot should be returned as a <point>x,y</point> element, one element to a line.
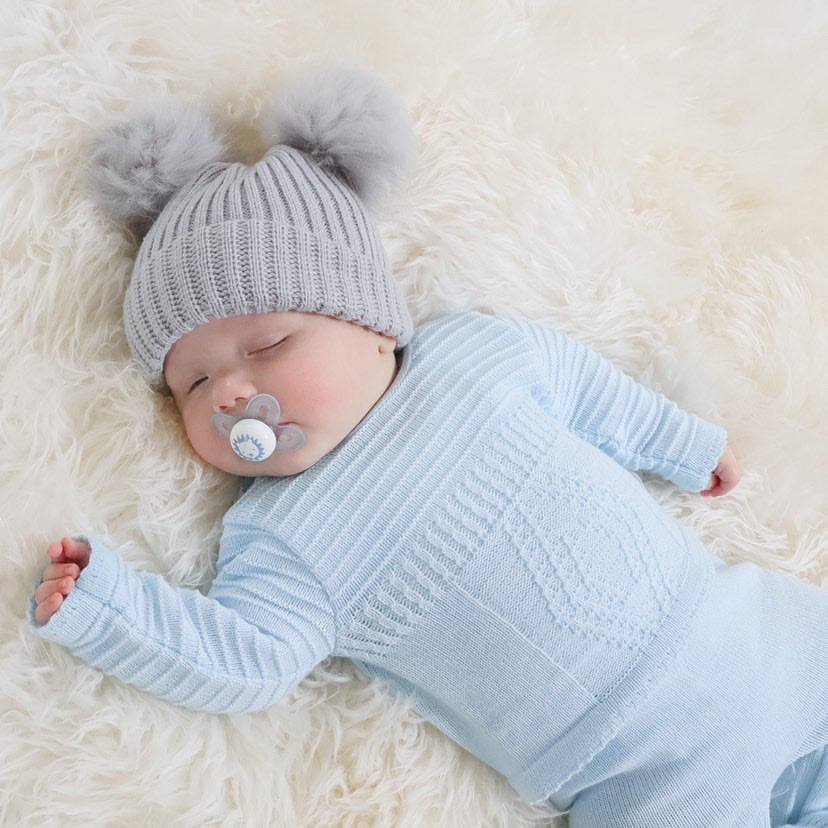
<point>650,177</point>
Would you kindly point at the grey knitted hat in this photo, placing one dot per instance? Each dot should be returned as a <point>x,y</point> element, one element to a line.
<point>290,232</point>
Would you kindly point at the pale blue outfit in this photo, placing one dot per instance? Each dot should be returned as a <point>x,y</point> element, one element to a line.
<point>479,543</point>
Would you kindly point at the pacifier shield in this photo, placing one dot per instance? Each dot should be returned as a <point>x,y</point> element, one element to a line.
<point>256,435</point>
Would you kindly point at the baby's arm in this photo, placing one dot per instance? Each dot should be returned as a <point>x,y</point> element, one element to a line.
<point>636,426</point>
<point>243,646</point>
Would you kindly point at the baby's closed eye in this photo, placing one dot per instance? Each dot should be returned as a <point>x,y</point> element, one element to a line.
<point>270,347</point>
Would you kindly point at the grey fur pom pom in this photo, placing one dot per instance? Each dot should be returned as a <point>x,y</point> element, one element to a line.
<point>142,159</point>
<point>350,123</point>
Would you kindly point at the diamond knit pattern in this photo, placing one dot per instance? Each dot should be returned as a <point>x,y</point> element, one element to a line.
<point>557,518</point>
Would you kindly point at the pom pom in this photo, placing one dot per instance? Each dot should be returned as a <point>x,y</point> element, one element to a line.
<point>350,124</point>
<point>142,159</point>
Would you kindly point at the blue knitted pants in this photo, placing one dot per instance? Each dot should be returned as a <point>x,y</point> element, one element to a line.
<point>801,794</point>
<point>799,798</point>
<point>736,736</point>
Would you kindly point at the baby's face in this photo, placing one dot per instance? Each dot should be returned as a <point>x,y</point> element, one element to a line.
<point>326,374</point>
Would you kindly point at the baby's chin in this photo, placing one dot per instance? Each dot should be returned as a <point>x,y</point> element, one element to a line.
<point>277,465</point>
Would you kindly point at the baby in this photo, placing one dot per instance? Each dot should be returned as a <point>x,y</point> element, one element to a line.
<point>451,506</point>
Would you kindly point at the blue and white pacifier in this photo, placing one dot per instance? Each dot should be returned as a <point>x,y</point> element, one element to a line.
<point>256,435</point>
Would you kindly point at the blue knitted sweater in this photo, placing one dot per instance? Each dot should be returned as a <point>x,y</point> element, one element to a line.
<point>477,542</point>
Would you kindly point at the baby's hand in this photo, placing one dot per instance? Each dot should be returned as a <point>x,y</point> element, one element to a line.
<point>69,557</point>
<point>725,476</point>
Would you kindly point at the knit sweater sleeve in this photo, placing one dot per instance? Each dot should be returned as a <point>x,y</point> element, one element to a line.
<point>636,426</point>
<point>264,625</point>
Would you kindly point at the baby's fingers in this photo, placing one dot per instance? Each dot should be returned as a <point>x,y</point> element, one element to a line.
<point>714,490</point>
<point>55,552</point>
<point>47,608</point>
<point>69,550</point>
<point>60,586</point>
<point>49,596</point>
<point>60,570</point>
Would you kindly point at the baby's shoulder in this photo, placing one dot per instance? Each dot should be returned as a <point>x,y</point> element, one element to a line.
<point>468,330</point>
<point>468,352</point>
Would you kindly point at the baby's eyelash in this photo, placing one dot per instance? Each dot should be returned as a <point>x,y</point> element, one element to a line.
<point>196,384</point>
<point>269,347</point>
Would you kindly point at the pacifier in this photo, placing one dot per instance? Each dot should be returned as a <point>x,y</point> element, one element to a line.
<point>256,434</point>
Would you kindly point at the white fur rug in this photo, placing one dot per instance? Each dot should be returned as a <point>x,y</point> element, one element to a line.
<point>649,176</point>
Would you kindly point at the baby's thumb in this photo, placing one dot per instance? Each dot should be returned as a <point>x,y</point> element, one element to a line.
<point>76,551</point>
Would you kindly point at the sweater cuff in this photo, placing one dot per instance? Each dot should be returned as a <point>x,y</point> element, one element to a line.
<point>94,590</point>
<point>708,446</point>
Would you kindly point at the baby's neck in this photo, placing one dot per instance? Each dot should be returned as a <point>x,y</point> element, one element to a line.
<point>393,369</point>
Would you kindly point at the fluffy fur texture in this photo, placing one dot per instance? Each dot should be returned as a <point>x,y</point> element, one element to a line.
<point>350,123</point>
<point>138,162</point>
<point>649,177</point>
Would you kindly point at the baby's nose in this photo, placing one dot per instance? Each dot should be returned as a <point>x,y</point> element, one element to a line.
<point>233,407</point>
<point>231,394</point>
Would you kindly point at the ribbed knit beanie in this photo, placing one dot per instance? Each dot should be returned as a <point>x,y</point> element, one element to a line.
<point>290,232</point>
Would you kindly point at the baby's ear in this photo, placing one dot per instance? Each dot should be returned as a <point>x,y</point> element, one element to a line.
<point>350,123</point>
<point>387,344</point>
<point>144,157</point>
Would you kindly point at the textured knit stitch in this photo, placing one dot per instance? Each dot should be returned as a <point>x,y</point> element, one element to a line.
<point>476,543</point>
<point>279,235</point>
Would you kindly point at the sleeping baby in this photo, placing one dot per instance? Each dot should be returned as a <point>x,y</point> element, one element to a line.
<point>453,506</point>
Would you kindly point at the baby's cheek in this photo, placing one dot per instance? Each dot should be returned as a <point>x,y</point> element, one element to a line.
<point>203,439</point>
<point>316,403</point>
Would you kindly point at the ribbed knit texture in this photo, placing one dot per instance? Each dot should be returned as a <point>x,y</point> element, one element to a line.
<point>471,545</point>
<point>279,235</point>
